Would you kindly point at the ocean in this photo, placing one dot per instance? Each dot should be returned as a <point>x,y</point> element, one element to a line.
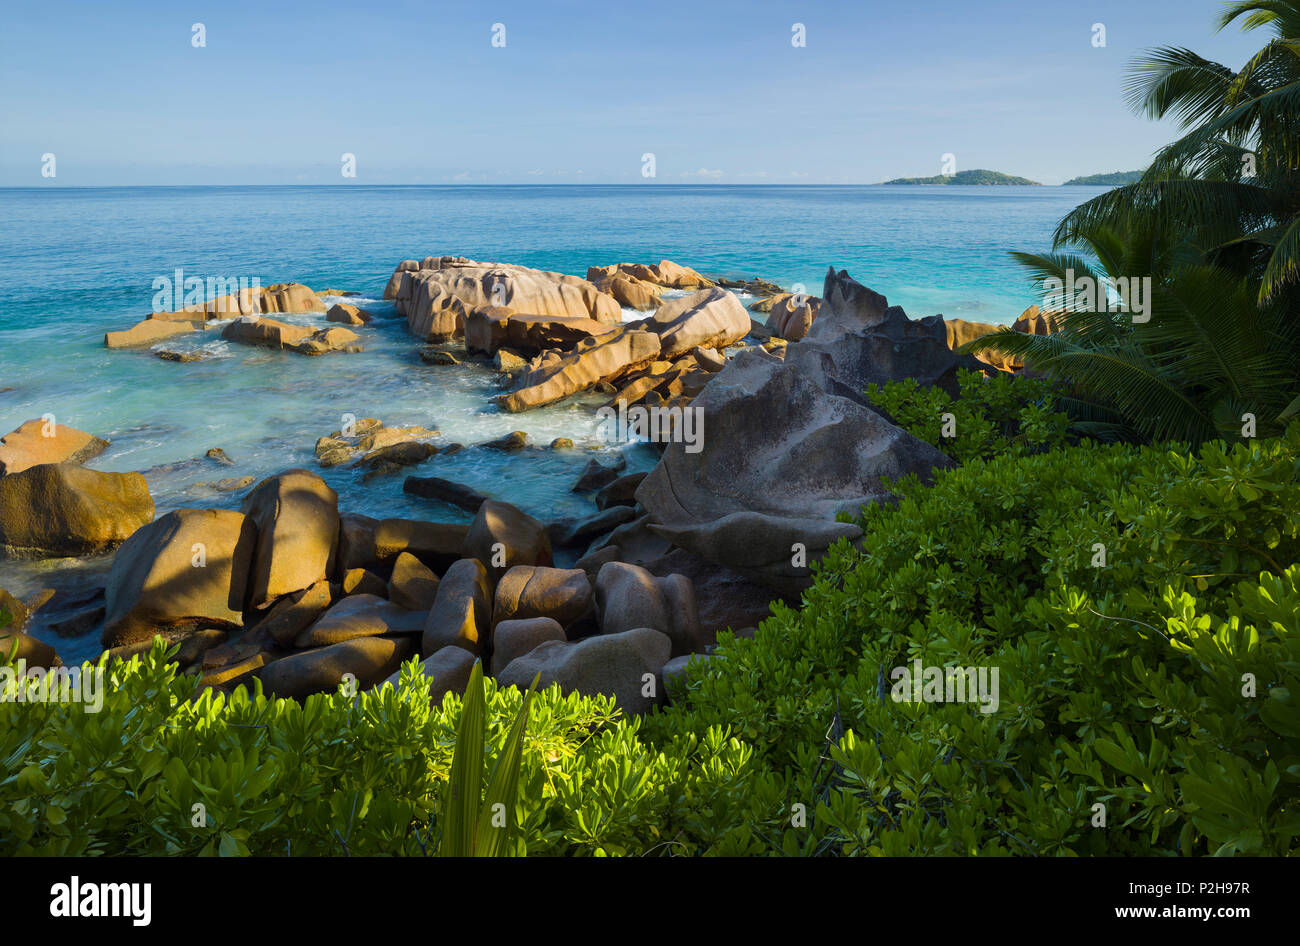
<point>78,262</point>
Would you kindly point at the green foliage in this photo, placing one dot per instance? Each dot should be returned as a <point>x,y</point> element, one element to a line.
<point>1002,414</point>
<point>1215,224</point>
<point>1122,685</point>
<point>333,775</point>
<point>1227,186</point>
<point>1207,354</point>
<point>467,830</point>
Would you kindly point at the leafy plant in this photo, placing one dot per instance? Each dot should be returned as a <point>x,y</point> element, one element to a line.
<point>1229,185</point>
<point>1123,594</point>
<point>471,830</point>
<point>1214,222</point>
<point>1002,414</point>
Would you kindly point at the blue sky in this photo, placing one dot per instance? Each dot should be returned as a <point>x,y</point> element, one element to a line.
<point>581,90</point>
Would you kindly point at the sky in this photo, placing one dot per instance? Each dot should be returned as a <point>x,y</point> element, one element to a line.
<point>576,91</point>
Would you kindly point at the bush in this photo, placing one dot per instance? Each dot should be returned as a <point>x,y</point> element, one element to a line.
<point>1123,685</point>
<point>1002,414</point>
<point>332,775</point>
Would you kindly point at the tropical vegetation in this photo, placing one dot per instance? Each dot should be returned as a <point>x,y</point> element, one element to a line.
<point>1211,233</point>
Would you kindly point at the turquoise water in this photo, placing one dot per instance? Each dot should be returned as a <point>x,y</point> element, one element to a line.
<point>81,261</point>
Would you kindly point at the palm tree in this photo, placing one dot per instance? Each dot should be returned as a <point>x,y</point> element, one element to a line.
<point>1222,249</point>
<point>1230,186</point>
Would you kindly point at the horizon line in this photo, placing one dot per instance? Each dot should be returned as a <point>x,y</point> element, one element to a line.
<point>521,184</point>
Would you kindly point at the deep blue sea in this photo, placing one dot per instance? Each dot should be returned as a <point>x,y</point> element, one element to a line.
<point>77,262</point>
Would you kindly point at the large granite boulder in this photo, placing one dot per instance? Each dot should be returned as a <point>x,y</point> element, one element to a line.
<point>64,509</point>
<point>603,358</point>
<point>37,442</point>
<point>871,342</point>
<point>791,316</point>
<point>369,660</point>
<point>297,519</point>
<point>775,441</point>
<point>437,544</point>
<point>447,671</point>
<point>1034,321</point>
<point>528,591</point>
<point>437,297</point>
<point>712,318</point>
<point>624,666</point>
<point>790,443</point>
<point>187,571</point>
<point>628,596</point>
<point>772,549</point>
<point>495,327</point>
<point>360,616</point>
<point>627,290</point>
<point>413,584</point>
<point>513,639</point>
<point>503,536</point>
<point>664,273</point>
<point>461,615</point>
<point>279,298</point>
<point>960,331</point>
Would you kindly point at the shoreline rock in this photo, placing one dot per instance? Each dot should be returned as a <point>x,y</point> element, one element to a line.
<point>59,509</point>
<point>29,446</point>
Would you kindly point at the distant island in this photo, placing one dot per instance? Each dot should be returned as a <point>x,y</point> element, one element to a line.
<point>966,177</point>
<point>1113,179</point>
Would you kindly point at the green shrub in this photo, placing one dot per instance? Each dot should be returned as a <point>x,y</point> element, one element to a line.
<point>335,774</point>
<point>1003,414</point>
<point>1120,685</point>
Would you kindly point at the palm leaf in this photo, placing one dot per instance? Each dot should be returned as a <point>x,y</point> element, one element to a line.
<point>465,785</point>
<point>503,786</point>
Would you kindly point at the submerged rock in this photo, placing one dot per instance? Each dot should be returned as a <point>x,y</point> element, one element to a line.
<point>434,487</point>
<point>346,314</point>
<point>268,333</point>
<point>148,332</point>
